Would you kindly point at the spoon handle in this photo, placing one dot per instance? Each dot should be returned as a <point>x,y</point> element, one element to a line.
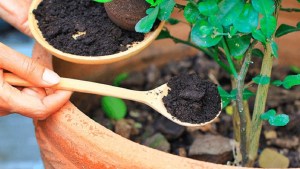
<point>84,87</point>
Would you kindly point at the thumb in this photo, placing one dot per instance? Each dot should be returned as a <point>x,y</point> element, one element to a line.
<point>26,68</point>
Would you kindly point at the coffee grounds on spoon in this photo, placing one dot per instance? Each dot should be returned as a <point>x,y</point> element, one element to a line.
<point>192,99</point>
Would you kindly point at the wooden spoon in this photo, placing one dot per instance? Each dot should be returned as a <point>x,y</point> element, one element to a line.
<point>152,98</point>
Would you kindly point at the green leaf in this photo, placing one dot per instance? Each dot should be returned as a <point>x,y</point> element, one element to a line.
<point>146,23</point>
<point>274,49</point>
<point>151,2</point>
<point>263,80</point>
<point>208,8</point>
<point>279,120</point>
<point>173,21</point>
<point>232,31</point>
<point>295,69</point>
<point>120,78</point>
<point>149,10</point>
<point>114,108</point>
<point>268,25</point>
<point>258,35</point>
<point>298,25</point>
<point>164,34</point>
<point>267,115</point>
<point>246,94</point>
<point>291,80</point>
<point>265,7</point>
<point>166,9</point>
<point>258,53</point>
<point>203,34</point>
<point>225,96</point>
<point>191,13</point>
<point>247,20</point>
<point>285,29</point>
<point>154,2</point>
<point>228,11</point>
<point>277,83</point>
<point>102,1</point>
<point>238,45</point>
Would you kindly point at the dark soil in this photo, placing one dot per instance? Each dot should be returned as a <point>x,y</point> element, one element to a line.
<point>96,34</point>
<point>192,99</point>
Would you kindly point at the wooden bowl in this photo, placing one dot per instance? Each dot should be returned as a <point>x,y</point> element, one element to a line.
<point>135,49</point>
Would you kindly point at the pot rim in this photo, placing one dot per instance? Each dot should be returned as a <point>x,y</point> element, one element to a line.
<point>70,139</point>
<point>135,49</point>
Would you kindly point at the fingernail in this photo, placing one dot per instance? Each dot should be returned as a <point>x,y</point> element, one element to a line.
<point>50,77</point>
<point>26,24</point>
<point>30,92</point>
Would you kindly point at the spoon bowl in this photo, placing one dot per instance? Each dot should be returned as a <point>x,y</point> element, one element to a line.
<point>152,98</point>
<point>133,50</point>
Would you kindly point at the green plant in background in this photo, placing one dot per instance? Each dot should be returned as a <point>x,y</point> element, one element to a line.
<point>115,108</point>
<point>228,31</point>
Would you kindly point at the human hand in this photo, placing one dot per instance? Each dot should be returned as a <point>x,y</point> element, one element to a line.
<point>15,12</point>
<point>31,102</point>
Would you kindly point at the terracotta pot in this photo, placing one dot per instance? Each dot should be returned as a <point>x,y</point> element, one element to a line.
<point>135,49</point>
<point>71,140</point>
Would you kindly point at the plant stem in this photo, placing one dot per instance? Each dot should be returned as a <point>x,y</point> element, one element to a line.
<point>260,99</point>
<point>259,106</point>
<point>290,9</point>
<point>249,84</point>
<point>212,54</point>
<point>240,104</point>
<point>231,64</point>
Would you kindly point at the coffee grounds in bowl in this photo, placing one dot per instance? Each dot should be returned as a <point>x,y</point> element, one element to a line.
<point>82,27</point>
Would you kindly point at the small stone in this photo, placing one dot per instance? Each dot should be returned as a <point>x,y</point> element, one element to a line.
<point>123,128</point>
<point>272,159</point>
<point>159,142</point>
<point>101,119</point>
<point>172,68</point>
<point>182,152</point>
<point>127,127</point>
<point>211,148</point>
<point>140,115</point>
<point>294,157</point>
<point>170,129</point>
<point>270,134</point>
<point>153,74</point>
<point>134,114</point>
<point>149,131</point>
<point>136,128</point>
<point>288,142</point>
<point>211,127</point>
<point>136,79</point>
<point>293,125</point>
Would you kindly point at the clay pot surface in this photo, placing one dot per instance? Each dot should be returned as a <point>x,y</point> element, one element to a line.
<point>71,140</point>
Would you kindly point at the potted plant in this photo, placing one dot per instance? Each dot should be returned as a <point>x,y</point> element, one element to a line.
<point>230,42</point>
